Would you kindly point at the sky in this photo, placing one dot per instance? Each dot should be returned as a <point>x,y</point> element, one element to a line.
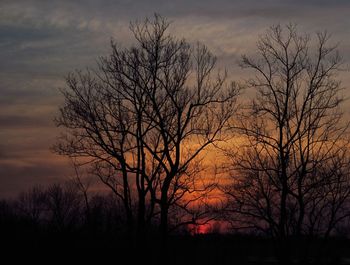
<point>42,41</point>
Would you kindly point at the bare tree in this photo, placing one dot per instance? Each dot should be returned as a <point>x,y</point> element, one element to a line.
<point>145,116</point>
<point>327,205</point>
<point>83,184</point>
<point>32,204</point>
<point>97,131</point>
<point>291,162</point>
<point>63,205</point>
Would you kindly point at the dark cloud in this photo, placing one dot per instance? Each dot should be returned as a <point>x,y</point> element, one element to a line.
<point>17,178</point>
<point>124,9</point>
<point>21,121</point>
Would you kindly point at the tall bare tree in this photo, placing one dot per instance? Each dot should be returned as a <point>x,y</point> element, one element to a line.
<point>291,161</point>
<point>145,117</point>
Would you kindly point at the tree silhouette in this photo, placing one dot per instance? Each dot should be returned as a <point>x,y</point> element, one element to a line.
<point>32,205</point>
<point>145,117</point>
<point>292,165</point>
<point>63,206</point>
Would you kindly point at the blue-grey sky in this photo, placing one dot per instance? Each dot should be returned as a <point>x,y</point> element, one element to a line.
<point>41,41</point>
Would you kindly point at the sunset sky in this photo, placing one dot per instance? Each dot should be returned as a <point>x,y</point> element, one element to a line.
<point>42,41</point>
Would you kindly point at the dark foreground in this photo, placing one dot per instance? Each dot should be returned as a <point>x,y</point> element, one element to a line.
<point>66,247</point>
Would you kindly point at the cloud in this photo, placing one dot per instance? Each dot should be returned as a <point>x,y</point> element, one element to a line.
<point>22,121</point>
<point>41,41</point>
<point>16,178</point>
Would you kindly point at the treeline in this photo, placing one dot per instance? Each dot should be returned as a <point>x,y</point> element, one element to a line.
<point>67,208</point>
<point>61,208</point>
<point>58,221</point>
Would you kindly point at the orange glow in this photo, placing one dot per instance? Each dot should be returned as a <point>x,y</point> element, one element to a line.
<point>211,227</point>
<point>199,229</point>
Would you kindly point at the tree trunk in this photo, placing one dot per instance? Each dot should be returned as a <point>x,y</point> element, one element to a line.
<point>164,209</point>
<point>126,201</point>
<point>284,193</point>
<point>141,215</point>
<point>164,223</point>
<point>283,214</point>
<point>300,217</point>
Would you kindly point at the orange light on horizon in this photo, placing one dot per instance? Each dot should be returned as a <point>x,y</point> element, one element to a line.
<point>210,227</point>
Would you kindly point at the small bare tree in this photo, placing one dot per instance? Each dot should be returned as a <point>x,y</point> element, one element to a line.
<point>82,183</point>
<point>327,204</point>
<point>32,204</point>
<point>63,205</point>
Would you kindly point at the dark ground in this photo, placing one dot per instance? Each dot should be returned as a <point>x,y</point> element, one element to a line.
<point>50,247</point>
